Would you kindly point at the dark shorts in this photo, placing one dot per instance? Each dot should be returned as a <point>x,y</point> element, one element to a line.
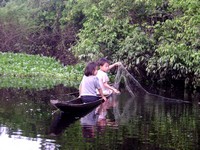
<point>87,99</point>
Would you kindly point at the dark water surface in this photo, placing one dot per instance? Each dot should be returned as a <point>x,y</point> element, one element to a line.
<point>29,122</point>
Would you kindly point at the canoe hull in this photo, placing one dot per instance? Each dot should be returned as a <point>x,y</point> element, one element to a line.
<point>75,106</point>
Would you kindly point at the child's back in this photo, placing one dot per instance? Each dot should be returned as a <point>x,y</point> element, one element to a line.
<point>89,84</point>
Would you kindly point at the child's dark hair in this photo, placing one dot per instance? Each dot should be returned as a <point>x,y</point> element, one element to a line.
<point>102,61</point>
<point>90,68</point>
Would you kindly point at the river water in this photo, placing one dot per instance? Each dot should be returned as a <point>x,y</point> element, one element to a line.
<point>29,122</point>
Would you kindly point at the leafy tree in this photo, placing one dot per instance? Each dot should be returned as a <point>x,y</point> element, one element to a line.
<point>34,27</point>
<point>105,28</point>
<point>155,39</point>
<point>177,53</point>
<point>15,26</point>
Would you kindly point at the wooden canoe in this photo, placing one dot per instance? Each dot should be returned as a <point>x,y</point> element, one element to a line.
<point>76,105</point>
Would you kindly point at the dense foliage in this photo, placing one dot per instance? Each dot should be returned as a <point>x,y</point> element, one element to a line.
<point>159,40</point>
<point>36,72</point>
<point>177,53</point>
<point>156,40</point>
<point>34,27</point>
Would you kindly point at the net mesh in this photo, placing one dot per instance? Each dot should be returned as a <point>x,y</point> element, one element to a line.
<point>132,85</point>
<point>135,88</point>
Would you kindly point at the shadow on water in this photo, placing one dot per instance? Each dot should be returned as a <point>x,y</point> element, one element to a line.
<point>61,121</point>
<point>93,122</point>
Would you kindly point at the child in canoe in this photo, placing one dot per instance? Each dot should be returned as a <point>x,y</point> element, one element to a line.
<point>90,83</point>
<point>103,77</point>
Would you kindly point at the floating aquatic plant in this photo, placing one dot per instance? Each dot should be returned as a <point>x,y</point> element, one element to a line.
<point>34,71</point>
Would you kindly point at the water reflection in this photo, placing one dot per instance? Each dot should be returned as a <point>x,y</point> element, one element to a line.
<point>25,116</point>
<point>125,122</point>
<point>15,140</point>
<point>162,122</point>
<point>94,124</point>
<point>146,121</point>
<point>61,121</point>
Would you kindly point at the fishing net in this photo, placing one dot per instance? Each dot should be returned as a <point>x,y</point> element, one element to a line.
<point>131,84</point>
<point>134,87</point>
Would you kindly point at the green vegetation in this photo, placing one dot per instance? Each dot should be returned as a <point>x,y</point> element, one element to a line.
<point>34,71</point>
<point>177,53</point>
<point>156,40</point>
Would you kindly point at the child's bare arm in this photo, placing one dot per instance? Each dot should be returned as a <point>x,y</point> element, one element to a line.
<point>101,93</point>
<point>115,64</point>
<point>111,87</point>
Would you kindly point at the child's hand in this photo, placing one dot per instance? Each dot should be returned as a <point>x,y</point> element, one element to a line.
<point>118,63</point>
<point>116,91</point>
<point>104,98</point>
